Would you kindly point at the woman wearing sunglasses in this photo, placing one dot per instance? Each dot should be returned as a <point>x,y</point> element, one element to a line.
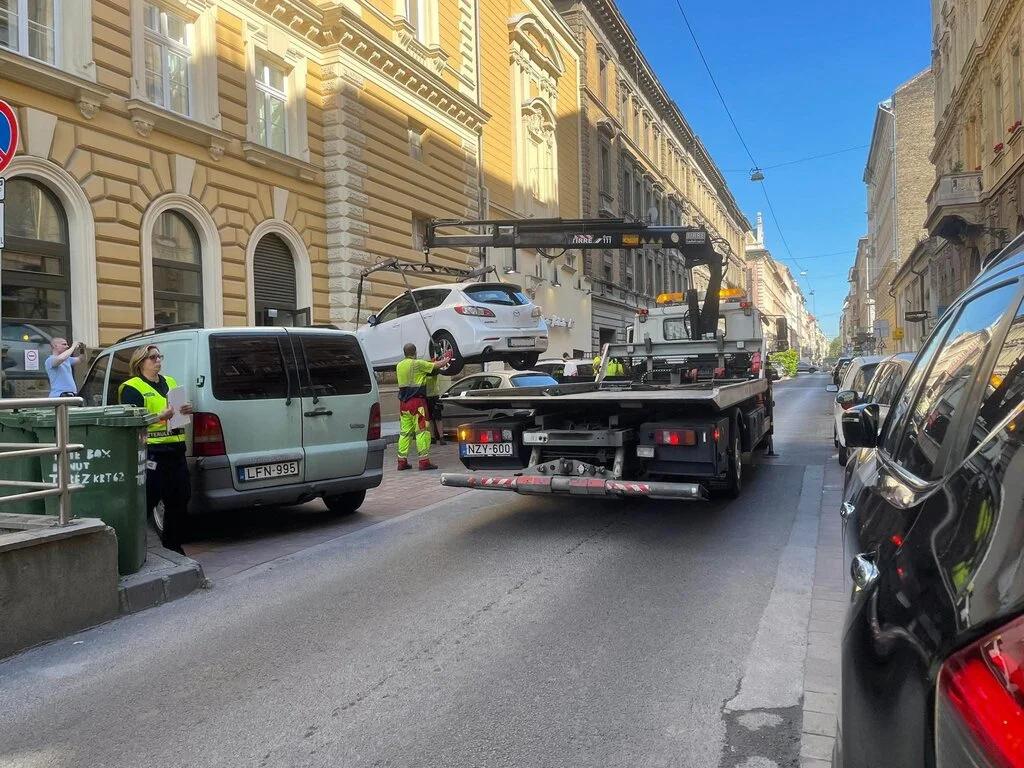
<point>167,478</point>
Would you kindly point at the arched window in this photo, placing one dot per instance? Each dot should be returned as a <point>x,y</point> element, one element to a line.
<point>177,271</point>
<point>275,295</point>
<point>36,283</point>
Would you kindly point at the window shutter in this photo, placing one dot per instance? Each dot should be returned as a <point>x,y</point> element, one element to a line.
<point>273,272</point>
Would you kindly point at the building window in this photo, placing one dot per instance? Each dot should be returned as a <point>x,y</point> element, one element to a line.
<point>636,124</point>
<point>998,124</point>
<point>1018,85</point>
<point>627,191</point>
<point>29,27</point>
<point>272,105</point>
<point>177,271</point>
<point>168,40</point>
<point>36,284</point>
<point>602,78</point>
<point>606,170</point>
<point>624,106</point>
<point>638,196</point>
<point>421,15</point>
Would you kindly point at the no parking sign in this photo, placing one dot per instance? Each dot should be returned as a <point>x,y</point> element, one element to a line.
<point>8,146</point>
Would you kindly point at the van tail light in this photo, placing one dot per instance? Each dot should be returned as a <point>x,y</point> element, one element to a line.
<point>755,363</point>
<point>980,708</point>
<point>469,311</point>
<point>373,432</point>
<point>207,436</point>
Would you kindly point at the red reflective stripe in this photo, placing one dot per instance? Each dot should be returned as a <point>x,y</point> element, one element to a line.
<point>534,480</point>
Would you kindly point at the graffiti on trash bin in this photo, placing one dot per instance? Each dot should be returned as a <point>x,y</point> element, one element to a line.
<point>89,467</point>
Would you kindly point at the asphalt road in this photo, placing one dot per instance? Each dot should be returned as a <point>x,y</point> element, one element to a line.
<point>490,630</point>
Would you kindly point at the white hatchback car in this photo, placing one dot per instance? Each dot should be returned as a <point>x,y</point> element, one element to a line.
<point>849,393</point>
<point>478,322</point>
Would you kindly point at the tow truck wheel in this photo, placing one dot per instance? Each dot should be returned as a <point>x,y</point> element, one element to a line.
<point>524,362</point>
<point>735,486</point>
<point>442,343</point>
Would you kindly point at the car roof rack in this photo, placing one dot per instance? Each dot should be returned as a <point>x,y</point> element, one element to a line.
<point>160,329</point>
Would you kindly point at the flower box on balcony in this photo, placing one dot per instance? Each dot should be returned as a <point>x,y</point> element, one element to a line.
<point>998,147</point>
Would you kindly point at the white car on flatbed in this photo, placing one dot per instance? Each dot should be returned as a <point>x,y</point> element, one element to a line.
<point>478,322</point>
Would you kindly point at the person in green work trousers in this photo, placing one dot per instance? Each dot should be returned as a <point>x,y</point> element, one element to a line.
<point>413,407</point>
<point>167,477</point>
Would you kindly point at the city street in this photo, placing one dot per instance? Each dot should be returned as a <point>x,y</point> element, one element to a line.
<point>439,628</point>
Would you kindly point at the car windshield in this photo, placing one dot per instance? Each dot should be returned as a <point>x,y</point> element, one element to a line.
<point>532,380</point>
<point>506,295</point>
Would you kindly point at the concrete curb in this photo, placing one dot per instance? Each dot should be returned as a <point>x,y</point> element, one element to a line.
<point>164,577</point>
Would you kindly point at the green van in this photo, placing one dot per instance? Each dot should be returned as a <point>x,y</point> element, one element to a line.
<point>282,415</point>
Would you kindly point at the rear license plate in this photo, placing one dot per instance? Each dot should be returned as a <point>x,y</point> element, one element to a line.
<point>485,449</point>
<point>530,342</point>
<point>268,471</point>
<point>645,451</point>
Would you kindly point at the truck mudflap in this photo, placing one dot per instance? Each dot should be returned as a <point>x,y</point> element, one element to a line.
<point>574,478</point>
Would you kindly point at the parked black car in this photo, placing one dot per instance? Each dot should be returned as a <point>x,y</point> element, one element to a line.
<point>933,533</point>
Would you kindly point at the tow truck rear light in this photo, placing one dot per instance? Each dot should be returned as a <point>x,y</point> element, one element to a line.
<point>755,363</point>
<point>675,437</point>
<point>470,311</point>
<point>468,435</point>
<point>980,709</point>
<point>207,435</point>
<point>642,314</point>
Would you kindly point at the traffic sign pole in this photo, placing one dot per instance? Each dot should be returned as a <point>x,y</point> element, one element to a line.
<point>8,149</point>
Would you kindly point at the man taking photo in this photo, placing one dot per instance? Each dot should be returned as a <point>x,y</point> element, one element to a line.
<point>59,367</point>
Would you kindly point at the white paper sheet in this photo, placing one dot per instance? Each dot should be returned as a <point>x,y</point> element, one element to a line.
<point>176,398</point>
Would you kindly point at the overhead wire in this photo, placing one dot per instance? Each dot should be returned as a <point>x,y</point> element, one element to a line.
<point>801,160</point>
<point>739,135</point>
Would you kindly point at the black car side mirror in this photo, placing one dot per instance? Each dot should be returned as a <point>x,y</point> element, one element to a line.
<point>860,426</point>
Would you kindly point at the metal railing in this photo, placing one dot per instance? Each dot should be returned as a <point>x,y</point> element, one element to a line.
<point>61,449</point>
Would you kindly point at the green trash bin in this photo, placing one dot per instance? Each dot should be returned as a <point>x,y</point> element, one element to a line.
<point>112,469</point>
<point>15,428</point>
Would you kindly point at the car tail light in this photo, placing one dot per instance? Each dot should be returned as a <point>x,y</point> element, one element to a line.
<point>470,311</point>
<point>467,435</point>
<point>980,709</point>
<point>537,312</point>
<point>207,436</point>
<point>373,431</point>
<point>675,437</point>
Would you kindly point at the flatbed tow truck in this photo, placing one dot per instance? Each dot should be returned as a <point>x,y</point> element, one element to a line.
<point>694,403</point>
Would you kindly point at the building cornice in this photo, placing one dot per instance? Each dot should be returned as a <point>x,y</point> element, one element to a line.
<point>379,54</point>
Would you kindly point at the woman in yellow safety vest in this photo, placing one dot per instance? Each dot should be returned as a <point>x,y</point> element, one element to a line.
<point>167,477</point>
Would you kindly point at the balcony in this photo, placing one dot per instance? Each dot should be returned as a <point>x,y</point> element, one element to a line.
<point>954,202</point>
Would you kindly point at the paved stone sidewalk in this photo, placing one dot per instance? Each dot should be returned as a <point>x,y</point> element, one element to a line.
<point>828,606</point>
<point>231,543</point>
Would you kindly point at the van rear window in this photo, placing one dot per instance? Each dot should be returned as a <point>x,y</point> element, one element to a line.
<point>336,365</point>
<point>485,293</point>
<point>247,367</point>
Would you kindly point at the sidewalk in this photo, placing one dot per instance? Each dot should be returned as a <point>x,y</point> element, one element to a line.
<point>829,600</point>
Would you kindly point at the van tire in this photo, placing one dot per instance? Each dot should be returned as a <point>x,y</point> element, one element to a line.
<point>345,503</point>
<point>524,362</point>
<point>443,341</point>
<point>735,484</point>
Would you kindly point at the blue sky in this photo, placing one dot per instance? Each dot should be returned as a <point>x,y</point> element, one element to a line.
<point>801,79</point>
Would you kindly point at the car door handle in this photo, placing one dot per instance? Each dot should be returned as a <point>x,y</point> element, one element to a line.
<point>863,571</point>
<point>318,413</point>
<point>846,510</point>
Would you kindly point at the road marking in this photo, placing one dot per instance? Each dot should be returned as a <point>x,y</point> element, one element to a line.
<point>773,676</point>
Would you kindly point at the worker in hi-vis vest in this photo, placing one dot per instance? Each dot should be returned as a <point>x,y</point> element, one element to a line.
<point>414,410</point>
<point>167,477</point>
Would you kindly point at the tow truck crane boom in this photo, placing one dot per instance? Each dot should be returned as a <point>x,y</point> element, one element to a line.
<point>694,244</point>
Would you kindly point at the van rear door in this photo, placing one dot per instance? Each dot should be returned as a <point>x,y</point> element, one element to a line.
<point>256,401</point>
<point>338,395</point>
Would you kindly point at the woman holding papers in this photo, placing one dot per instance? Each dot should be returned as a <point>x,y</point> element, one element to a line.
<point>167,478</point>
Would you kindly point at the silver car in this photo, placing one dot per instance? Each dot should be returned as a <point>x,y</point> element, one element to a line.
<point>453,414</point>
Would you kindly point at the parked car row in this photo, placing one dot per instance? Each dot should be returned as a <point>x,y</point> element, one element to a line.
<point>932,651</point>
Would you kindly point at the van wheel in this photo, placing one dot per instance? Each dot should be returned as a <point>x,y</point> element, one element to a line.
<point>345,503</point>
<point>442,343</point>
<point>524,362</point>
<point>735,486</point>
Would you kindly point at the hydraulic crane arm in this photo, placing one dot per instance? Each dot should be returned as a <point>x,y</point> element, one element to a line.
<point>694,244</point>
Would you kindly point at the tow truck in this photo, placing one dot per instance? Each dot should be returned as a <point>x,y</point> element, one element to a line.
<point>694,403</point>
